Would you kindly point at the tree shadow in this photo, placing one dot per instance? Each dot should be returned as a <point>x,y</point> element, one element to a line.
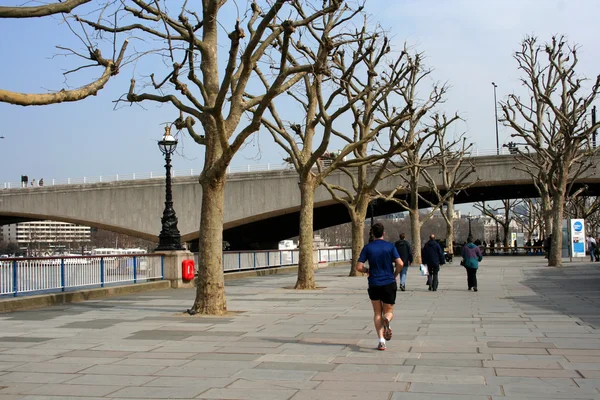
<point>570,290</point>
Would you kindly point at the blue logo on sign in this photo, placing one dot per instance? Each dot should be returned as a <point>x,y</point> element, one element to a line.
<point>577,226</point>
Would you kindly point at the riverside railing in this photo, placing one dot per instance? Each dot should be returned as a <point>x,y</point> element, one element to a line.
<point>243,261</point>
<point>22,276</point>
<point>48,274</point>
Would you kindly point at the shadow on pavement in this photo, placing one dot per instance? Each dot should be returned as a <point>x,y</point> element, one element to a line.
<point>570,290</point>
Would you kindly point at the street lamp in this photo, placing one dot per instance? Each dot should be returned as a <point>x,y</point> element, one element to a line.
<point>372,207</point>
<point>169,238</point>
<point>496,116</point>
<point>497,233</point>
<point>594,123</point>
<point>469,218</point>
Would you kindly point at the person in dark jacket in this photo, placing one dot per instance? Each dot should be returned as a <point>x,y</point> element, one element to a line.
<point>548,245</point>
<point>405,250</point>
<point>433,256</point>
<point>471,257</point>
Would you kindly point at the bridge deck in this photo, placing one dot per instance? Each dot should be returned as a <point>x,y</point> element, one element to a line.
<point>529,332</point>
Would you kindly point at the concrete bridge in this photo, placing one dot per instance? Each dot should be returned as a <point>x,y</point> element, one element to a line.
<point>261,208</point>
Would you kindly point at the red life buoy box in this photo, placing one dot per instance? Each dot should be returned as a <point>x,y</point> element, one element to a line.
<point>187,270</point>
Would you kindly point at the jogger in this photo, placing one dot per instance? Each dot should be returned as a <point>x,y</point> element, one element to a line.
<point>381,255</point>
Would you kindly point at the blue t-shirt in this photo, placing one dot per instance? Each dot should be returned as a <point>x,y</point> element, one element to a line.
<point>381,256</point>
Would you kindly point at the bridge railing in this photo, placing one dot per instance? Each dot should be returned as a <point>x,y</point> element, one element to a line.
<point>249,260</point>
<point>191,172</point>
<point>48,274</point>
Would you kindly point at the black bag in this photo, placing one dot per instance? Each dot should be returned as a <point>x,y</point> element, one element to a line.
<point>462,263</point>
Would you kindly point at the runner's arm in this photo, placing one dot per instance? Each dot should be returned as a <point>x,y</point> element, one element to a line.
<point>360,267</point>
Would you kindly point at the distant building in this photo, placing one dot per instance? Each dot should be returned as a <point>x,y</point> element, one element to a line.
<point>45,236</point>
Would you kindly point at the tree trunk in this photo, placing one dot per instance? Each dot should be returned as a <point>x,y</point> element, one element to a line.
<point>415,231</point>
<point>210,293</point>
<point>506,229</point>
<point>558,206</point>
<point>450,226</point>
<point>357,217</point>
<point>358,239</point>
<point>547,213</point>
<point>306,273</point>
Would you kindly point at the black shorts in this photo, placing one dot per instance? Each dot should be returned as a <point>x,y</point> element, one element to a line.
<point>386,294</point>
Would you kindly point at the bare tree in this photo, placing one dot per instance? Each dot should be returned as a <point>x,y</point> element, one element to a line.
<point>228,99</point>
<point>455,168</point>
<point>420,139</point>
<point>527,215</point>
<point>375,116</point>
<point>110,65</point>
<point>503,215</point>
<point>350,83</point>
<point>584,207</point>
<point>552,123</point>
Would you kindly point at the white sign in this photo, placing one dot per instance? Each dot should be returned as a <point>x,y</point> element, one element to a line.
<point>577,237</point>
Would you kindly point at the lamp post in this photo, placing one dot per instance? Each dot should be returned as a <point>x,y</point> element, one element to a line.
<point>372,207</point>
<point>496,116</point>
<point>497,233</point>
<point>169,238</point>
<point>469,218</point>
<point>594,123</point>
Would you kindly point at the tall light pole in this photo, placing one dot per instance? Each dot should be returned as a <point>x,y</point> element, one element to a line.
<point>372,207</point>
<point>469,218</point>
<point>496,116</point>
<point>169,238</point>
<point>497,233</point>
<point>594,123</point>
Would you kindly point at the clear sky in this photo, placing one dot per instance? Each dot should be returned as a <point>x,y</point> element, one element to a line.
<point>469,43</point>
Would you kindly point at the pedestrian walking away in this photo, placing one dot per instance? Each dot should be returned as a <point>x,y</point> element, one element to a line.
<point>591,245</point>
<point>548,245</point>
<point>433,256</point>
<point>382,257</point>
<point>405,251</point>
<point>471,258</point>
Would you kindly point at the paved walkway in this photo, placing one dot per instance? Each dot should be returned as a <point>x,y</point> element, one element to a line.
<point>530,332</point>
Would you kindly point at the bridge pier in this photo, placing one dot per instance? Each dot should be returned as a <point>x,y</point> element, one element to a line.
<point>172,267</point>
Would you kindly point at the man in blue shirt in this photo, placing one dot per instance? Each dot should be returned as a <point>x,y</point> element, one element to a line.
<point>382,256</point>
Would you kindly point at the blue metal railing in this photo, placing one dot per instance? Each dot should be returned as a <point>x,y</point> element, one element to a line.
<point>20,276</point>
<point>34,275</point>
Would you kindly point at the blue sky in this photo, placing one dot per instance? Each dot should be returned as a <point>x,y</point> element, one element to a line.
<point>469,43</point>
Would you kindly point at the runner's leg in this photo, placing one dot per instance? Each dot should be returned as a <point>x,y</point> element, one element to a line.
<point>388,311</point>
<point>377,317</point>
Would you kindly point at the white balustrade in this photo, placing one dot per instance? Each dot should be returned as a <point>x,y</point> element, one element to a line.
<point>235,169</point>
<point>243,261</point>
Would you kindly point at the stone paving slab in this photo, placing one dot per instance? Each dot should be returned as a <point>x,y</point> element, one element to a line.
<point>531,332</point>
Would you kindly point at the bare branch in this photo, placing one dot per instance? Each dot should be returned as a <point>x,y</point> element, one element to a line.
<point>111,68</point>
<point>41,11</point>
